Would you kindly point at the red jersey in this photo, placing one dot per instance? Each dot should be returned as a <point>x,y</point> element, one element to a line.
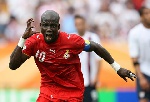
<point>59,64</point>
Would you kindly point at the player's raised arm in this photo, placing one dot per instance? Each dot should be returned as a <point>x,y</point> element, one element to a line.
<point>103,53</point>
<point>17,57</point>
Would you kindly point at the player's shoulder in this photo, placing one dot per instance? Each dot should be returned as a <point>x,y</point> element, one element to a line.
<point>136,28</point>
<point>35,37</point>
<point>69,36</point>
<point>135,32</point>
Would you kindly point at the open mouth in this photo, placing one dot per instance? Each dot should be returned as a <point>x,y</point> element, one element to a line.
<point>48,36</point>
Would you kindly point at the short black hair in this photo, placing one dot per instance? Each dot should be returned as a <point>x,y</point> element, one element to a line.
<point>141,10</point>
<point>80,17</point>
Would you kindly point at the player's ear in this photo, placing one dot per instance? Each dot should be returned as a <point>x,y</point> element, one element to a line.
<point>58,26</point>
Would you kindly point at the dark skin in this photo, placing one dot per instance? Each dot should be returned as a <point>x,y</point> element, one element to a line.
<point>145,17</point>
<point>50,30</point>
<point>50,26</point>
<point>17,57</point>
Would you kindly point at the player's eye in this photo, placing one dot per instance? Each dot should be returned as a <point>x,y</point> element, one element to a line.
<point>53,26</point>
<point>45,25</point>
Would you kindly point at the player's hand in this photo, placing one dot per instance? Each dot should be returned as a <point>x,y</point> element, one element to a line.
<point>144,84</point>
<point>29,32</point>
<point>124,73</point>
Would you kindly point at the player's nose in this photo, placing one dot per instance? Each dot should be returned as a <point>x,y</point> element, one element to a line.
<point>49,28</point>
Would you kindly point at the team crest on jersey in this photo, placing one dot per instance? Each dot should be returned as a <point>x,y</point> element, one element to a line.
<point>67,55</point>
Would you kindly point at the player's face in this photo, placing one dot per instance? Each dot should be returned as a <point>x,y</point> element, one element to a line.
<point>49,29</point>
<point>146,16</point>
<point>80,25</point>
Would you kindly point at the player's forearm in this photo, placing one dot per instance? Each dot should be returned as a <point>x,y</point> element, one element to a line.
<point>16,58</point>
<point>12,54</point>
<point>103,53</point>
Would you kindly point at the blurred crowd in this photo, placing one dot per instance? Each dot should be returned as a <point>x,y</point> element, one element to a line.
<point>110,19</point>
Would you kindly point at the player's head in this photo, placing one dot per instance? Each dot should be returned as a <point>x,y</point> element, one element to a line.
<point>145,15</point>
<point>50,26</point>
<point>80,24</point>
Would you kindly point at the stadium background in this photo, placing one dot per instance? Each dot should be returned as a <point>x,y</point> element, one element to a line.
<point>110,19</point>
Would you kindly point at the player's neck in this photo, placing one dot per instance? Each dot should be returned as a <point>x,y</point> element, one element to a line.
<point>81,33</point>
<point>146,26</point>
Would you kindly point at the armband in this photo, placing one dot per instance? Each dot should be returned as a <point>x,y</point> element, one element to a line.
<point>21,42</point>
<point>87,45</point>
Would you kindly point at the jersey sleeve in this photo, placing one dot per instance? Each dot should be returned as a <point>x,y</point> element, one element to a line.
<point>78,43</point>
<point>133,44</point>
<point>29,46</point>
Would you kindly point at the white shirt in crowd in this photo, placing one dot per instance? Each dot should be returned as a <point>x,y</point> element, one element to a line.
<point>94,59</point>
<point>139,46</point>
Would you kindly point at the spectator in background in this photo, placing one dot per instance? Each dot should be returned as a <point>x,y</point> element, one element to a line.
<point>59,6</point>
<point>147,3</point>
<point>117,7</point>
<point>22,9</point>
<point>93,8</point>
<point>90,63</point>
<point>4,17</point>
<point>81,6</point>
<point>11,30</point>
<point>104,16</point>
<point>138,3</point>
<point>105,21</point>
<point>128,18</point>
<point>68,21</point>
